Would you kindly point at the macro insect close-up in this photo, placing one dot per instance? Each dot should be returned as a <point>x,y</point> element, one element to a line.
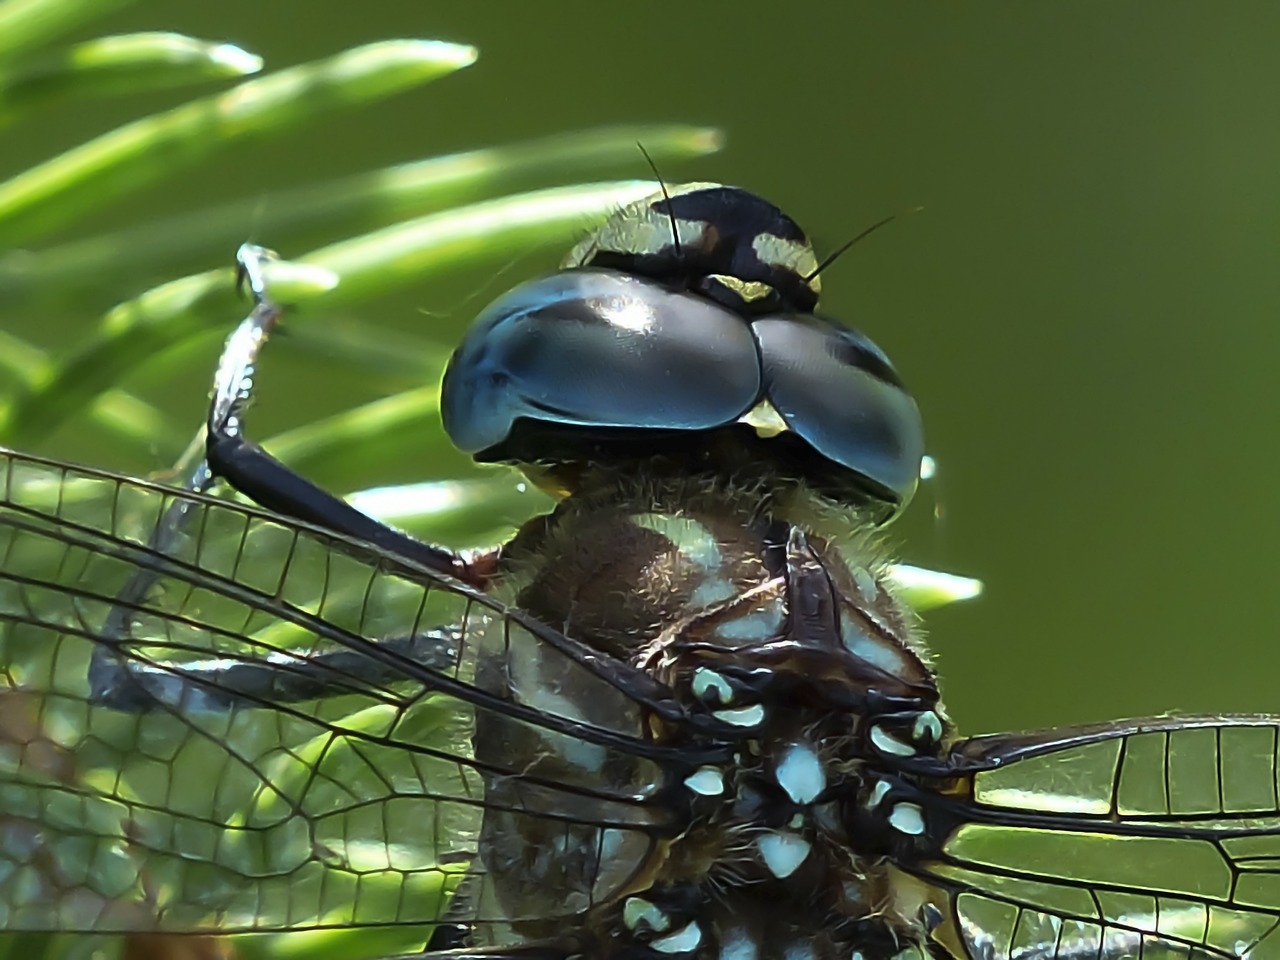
<point>638,670</point>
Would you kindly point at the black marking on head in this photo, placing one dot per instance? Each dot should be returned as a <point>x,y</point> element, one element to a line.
<point>735,248</point>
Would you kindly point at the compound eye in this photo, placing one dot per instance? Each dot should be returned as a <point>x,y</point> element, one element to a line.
<point>599,350</point>
<point>837,391</point>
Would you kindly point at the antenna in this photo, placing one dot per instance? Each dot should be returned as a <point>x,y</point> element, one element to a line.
<point>840,251</point>
<point>671,214</point>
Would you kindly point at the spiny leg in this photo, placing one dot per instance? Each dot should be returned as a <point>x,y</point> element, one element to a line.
<point>231,457</point>
<point>215,684</point>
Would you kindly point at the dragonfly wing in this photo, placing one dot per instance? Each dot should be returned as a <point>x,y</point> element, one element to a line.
<point>143,789</point>
<point>1155,838</point>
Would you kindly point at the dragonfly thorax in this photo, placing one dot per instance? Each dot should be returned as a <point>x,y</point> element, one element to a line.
<point>785,651</point>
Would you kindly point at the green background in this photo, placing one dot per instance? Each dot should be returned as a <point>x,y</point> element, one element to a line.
<point>1086,307</point>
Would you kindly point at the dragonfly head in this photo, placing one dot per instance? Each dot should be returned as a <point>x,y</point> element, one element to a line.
<point>684,329</point>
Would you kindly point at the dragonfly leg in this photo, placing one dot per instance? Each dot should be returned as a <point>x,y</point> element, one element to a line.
<point>265,480</point>
<point>217,685</point>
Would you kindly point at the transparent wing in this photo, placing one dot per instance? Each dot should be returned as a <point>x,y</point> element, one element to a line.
<point>278,731</point>
<point>1148,839</point>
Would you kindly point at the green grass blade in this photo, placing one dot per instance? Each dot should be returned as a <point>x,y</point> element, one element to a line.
<point>392,356</point>
<point>394,257</point>
<point>928,589</point>
<point>365,440</point>
<point>344,206</point>
<point>471,512</point>
<point>53,193</point>
<point>137,426</point>
<point>415,250</point>
<point>26,24</point>
<point>111,66</point>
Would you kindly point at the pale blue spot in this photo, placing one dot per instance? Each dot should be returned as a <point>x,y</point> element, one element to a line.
<point>637,911</point>
<point>738,945</point>
<point>800,773</point>
<point>711,591</point>
<point>877,794</point>
<point>907,818</point>
<point>743,717</point>
<point>691,538</point>
<point>927,727</point>
<point>783,853</point>
<point>755,627</point>
<point>706,681</point>
<point>683,940</point>
<point>706,781</point>
<point>878,652</point>
<point>886,742</point>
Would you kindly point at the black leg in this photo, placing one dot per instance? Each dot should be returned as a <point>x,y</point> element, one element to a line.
<point>268,482</point>
<point>214,686</point>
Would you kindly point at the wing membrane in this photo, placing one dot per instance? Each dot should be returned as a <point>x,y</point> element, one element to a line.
<point>277,732</point>
<point>1154,838</point>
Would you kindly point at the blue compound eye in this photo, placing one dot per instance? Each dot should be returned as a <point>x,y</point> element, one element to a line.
<point>837,391</point>
<point>597,349</point>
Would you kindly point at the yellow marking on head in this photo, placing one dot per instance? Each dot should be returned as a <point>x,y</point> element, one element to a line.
<point>638,228</point>
<point>765,419</point>
<point>747,290</point>
<point>794,255</point>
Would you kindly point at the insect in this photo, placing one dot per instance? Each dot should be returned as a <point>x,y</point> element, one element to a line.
<point>684,715</point>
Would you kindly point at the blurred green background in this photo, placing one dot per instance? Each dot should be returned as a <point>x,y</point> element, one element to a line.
<point>1086,307</point>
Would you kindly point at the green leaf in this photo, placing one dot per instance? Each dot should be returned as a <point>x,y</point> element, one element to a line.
<point>110,66</point>
<point>66,187</point>
<point>359,431</point>
<point>340,207</point>
<point>25,24</point>
<point>928,589</point>
<point>472,512</point>
<point>413,251</point>
<point>136,425</point>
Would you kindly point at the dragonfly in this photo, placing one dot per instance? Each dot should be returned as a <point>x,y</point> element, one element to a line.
<point>685,714</point>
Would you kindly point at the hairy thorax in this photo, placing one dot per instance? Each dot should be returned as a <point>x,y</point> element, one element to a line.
<point>768,612</point>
